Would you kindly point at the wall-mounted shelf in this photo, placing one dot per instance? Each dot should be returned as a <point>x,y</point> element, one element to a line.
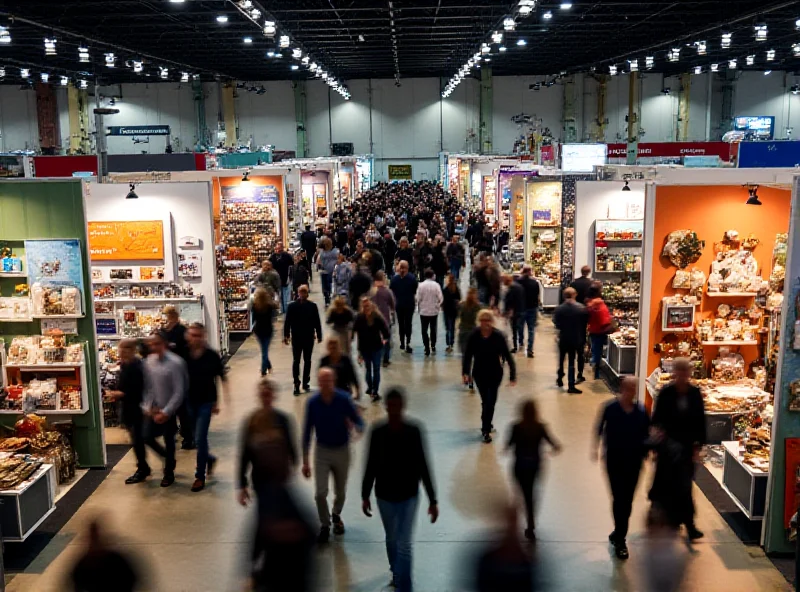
<point>149,299</point>
<point>59,367</point>
<point>64,316</point>
<point>22,320</point>
<point>731,294</point>
<point>40,367</point>
<point>13,274</point>
<point>713,343</point>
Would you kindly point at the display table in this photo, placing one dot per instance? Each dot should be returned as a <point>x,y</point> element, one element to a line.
<point>551,296</point>
<point>746,485</point>
<point>25,507</point>
<point>621,359</point>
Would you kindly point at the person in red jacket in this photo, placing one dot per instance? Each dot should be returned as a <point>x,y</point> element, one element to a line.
<point>600,324</point>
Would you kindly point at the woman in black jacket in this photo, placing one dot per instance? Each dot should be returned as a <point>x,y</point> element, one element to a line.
<point>486,350</point>
<point>452,300</point>
<point>264,325</point>
<point>346,378</point>
<point>373,333</point>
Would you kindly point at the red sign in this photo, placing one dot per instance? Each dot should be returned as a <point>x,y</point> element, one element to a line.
<point>548,155</point>
<point>791,492</point>
<point>674,150</point>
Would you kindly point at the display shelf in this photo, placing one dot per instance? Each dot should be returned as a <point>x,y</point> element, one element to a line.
<point>63,316</point>
<point>712,343</point>
<point>128,282</point>
<point>150,299</point>
<point>21,320</point>
<point>13,274</point>
<point>57,367</point>
<point>53,366</point>
<point>621,359</point>
<point>26,506</point>
<point>746,486</point>
<point>731,294</point>
<point>618,240</point>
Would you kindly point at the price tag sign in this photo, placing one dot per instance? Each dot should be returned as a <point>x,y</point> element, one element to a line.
<point>66,326</point>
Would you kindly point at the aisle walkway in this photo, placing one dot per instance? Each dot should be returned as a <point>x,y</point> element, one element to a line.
<point>196,542</point>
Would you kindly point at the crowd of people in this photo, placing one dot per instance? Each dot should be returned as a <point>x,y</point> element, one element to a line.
<point>396,253</point>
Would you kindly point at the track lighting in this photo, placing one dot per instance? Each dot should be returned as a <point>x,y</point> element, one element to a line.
<point>633,65</point>
<point>795,89</point>
<point>509,24</point>
<point>24,73</point>
<point>770,55</point>
<point>222,19</point>
<point>284,41</point>
<point>246,177</point>
<point>111,60</point>
<point>525,7</point>
<point>138,67</point>
<point>270,29</point>
<point>5,35</point>
<point>649,62</point>
<point>698,69</point>
<point>612,70</point>
<point>164,73</point>
<point>2,72</point>
<point>760,32</point>
<point>753,199</point>
<point>701,47</point>
<point>132,192</point>
<point>45,77</point>
<point>521,42</point>
<point>83,55</point>
<point>796,49</point>
<point>627,186</point>
<point>726,40</point>
<point>732,64</point>
<point>184,77</point>
<point>64,81</point>
<point>674,54</point>
<point>247,40</point>
<point>83,84</point>
<point>49,47</point>
<point>547,15</point>
<point>715,67</point>
<point>750,60</point>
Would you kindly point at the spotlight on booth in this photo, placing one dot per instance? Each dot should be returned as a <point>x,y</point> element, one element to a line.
<point>246,177</point>
<point>132,192</point>
<point>753,199</point>
<point>627,186</point>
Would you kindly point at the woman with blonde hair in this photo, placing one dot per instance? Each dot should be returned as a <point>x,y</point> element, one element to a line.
<point>373,333</point>
<point>326,261</point>
<point>341,317</point>
<point>264,324</point>
<point>483,363</point>
<point>468,319</point>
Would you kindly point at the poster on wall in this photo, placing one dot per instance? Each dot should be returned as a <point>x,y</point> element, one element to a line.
<point>55,262</point>
<point>190,266</point>
<point>126,241</point>
<point>266,195</point>
<point>400,172</point>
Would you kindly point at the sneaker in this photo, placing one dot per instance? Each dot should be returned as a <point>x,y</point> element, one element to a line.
<point>471,386</point>
<point>427,352</point>
<point>693,533</point>
<point>487,438</point>
<point>212,462</point>
<point>612,538</point>
<point>169,479</point>
<point>198,485</point>
<point>306,387</point>
<point>448,350</point>
<point>573,391</point>
<point>338,525</point>
<point>386,364</point>
<point>530,534</point>
<point>375,397</point>
<point>621,550</point>
<point>433,350</point>
<point>137,477</point>
<point>324,535</point>
<point>297,391</point>
<point>530,354</point>
<point>580,379</point>
<point>560,383</point>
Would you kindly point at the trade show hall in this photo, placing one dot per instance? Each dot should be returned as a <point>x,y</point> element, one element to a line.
<point>202,541</point>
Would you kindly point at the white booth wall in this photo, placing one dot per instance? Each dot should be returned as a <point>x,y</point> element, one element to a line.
<point>601,200</point>
<point>185,209</point>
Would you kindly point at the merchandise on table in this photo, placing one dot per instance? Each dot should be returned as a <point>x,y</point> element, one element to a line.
<point>34,442</point>
<point>627,336</point>
<point>51,300</point>
<point>111,291</point>
<point>37,350</point>
<point>12,308</point>
<point>731,324</point>
<point>16,469</point>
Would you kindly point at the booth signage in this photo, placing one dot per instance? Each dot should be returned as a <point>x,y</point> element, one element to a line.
<point>139,130</point>
<point>778,154</point>
<point>126,241</point>
<point>400,172</point>
<point>673,150</point>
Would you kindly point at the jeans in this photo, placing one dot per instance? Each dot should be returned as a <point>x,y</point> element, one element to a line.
<point>405,317</point>
<point>525,473</point>
<point>398,523</point>
<point>327,286</point>
<point>450,330</point>
<point>455,269</point>
<point>598,343</point>
<point>487,389</point>
<point>529,318</point>
<point>429,323</point>
<point>286,297</point>
<point>302,348</point>
<point>202,422</point>
<point>372,369</point>
<point>517,324</point>
<point>135,422</point>
<point>387,347</point>
<point>309,264</point>
<point>570,352</point>
<point>327,462</point>
<point>167,430</point>
<point>186,424</point>
<point>264,342</point>
<point>623,475</point>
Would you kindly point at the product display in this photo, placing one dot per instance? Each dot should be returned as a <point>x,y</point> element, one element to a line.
<point>56,301</point>
<point>236,284</point>
<point>682,248</point>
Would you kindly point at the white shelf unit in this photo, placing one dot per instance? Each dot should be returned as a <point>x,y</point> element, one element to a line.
<point>46,368</point>
<point>712,343</point>
<point>121,303</point>
<point>13,274</point>
<point>149,299</point>
<point>63,316</point>
<point>731,294</point>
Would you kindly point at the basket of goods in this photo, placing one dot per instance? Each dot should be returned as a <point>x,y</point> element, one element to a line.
<point>682,248</point>
<point>17,469</point>
<point>29,426</point>
<point>14,444</point>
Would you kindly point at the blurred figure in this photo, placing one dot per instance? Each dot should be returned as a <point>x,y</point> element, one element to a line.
<point>396,463</point>
<point>329,415</point>
<point>679,433</point>
<point>342,274</point>
<point>308,242</point>
<point>301,275</point>
<point>269,278</point>
<point>514,304</point>
<point>404,286</point>
<point>467,321</point>
<point>487,348</point>
<point>383,298</point>
<point>623,426</point>
<point>302,324</point>
<point>570,320</point>
<point>526,439</point>
<point>102,568</point>
<point>373,333</point>
<point>346,378</point>
<point>664,558</point>
<point>601,324</point>
<point>326,260</point>
<point>282,264</point>
<point>341,317</point>
<point>281,559</point>
<point>264,309</point>
<point>175,333</point>
<point>455,256</point>
<point>450,304</point>
<point>532,300</point>
<point>429,300</point>
<point>506,566</point>
<point>582,284</point>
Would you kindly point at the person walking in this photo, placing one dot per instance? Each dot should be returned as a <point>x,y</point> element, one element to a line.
<point>336,360</point>
<point>514,304</point>
<point>165,382</point>
<point>302,325</point>
<point>308,242</point>
<point>429,301</point>
<point>282,263</point>
<point>405,253</point>
<point>467,321</point>
<point>326,260</point>
<point>396,464</point>
<point>340,318</point>
<point>301,273</point>
<point>456,258</point>
<point>582,285</point>
<point>342,274</point>
<point>389,254</point>
<point>204,366</point>
<point>269,278</point>
<point>130,391</point>
<point>451,299</point>
<point>623,427</point>
<point>360,285</point>
<point>600,326</point>
<point>526,437</point>
<point>404,286</point>
<point>383,298</point>
<point>570,319</point>
<point>482,363</point>
<point>679,433</point>
<point>373,333</point>
<point>329,415</point>
<point>175,333</point>
<point>532,301</point>
<point>264,325</point>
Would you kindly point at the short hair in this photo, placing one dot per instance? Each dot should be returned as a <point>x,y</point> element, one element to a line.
<point>485,315</point>
<point>527,270</point>
<point>380,276</point>
<point>198,327</point>
<point>128,343</point>
<point>268,383</point>
<point>303,288</point>
<point>160,334</point>
<point>429,275</point>
<point>570,293</point>
<point>395,394</point>
<point>586,270</point>
<point>170,310</point>
<point>682,364</point>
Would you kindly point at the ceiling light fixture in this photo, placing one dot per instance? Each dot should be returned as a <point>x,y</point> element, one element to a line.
<point>270,54</point>
<point>501,48</point>
<point>2,72</point>
<point>163,73</point>
<point>222,19</point>
<point>767,72</point>
<point>521,42</point>
<point>795,89</point>
<point>24,73</point>
<point>132,192</point>
<point>83,84</point>
<point>566,5</point>
<point>547,15</point>
<point>284,41</point>
<point>674,54</point>
<point>361,39</point>
<point>770,55</point>
<point>111,60</point>
<point>796,49</point>
<point>509,24</point>
<point>270,29</point>
<point>753,200</point>
<point>184,77</point>
<point>83,54</point>
<point>633,65</point>
<point>497,37</point>
<point>295,67</point>
<point>750,60</point>
<point>726,40</point>
<point>797,25</point>
<point>732,64</point>
<point>45,77</point>
<point>177,1</point>
<point>698,69</point>
<point>138,67</point>
<point>612,70</point>
<point>761,32</point>
<point>485,48</point>
<point>715,67</point>
<point>64,81</point>
<point>297,53</point>
<point>649,62</point>
<point>49,46</point>
<point>701,47</point>
<point>5,35</point>
<point>525,7</point>
<point>247,40</point>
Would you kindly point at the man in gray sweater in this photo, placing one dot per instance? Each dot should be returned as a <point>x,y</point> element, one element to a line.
<point>165,382</point>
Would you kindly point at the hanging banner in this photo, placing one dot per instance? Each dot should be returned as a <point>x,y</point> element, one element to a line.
<point>400,172</point>
<point>781,154</point>
<point>673,150</point>
<point>138,130</point>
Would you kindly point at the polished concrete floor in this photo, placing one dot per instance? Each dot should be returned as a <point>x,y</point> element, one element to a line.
<point>198,541</point>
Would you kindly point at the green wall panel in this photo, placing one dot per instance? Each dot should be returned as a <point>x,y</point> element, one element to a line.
<point>42,210</point>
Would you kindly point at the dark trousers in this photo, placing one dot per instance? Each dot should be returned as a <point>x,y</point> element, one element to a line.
<point>487,389</point>
<point>309,257</point>
<point>450,330</point>
<point>623,475</point>
<point>166,430</point>
<point>304,348</point>
<point>186,425</point>
<point>517,323</point>
<point>570,352</point>
<point>429,324</point>
<point>525,474</point>
<point>404,319</point>
<point>134,420</point>
<point>598,343</point>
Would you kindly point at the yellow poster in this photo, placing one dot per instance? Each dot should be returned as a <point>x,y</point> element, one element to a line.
<point>126,241</point>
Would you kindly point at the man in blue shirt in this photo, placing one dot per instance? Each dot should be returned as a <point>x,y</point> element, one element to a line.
<point>329,413</point>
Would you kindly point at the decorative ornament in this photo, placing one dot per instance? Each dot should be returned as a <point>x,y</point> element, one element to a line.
<point>682,248</point>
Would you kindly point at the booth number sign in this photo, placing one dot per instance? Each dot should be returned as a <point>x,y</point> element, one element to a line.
<point>399,172</point>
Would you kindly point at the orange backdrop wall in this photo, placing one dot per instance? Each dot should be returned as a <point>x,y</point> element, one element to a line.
<point>710,211</point>
<point>220,182</point>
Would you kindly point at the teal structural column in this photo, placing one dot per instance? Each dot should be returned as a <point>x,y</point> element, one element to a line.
<point>485,133</point>
<point>54,210</point>
<point>201,133</point>
<point>728,101</point>
<point>786,422</point>
<point>300,115</point>
<point>633,118</point>
<point>570,112</point>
